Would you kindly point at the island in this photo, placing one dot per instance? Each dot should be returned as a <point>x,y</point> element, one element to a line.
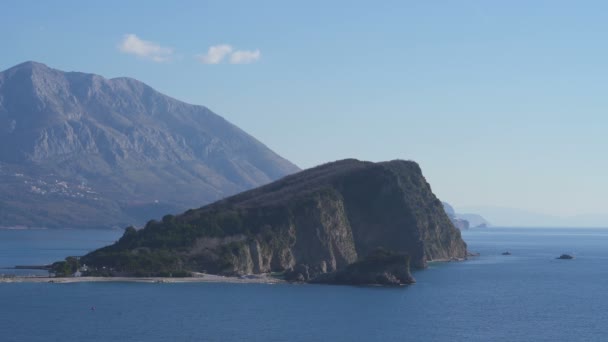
<point>347,222</point>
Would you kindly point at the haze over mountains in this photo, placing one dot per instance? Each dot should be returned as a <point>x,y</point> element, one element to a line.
<point>514,217</point>
<point>78,150</point>
<point>464,220</point>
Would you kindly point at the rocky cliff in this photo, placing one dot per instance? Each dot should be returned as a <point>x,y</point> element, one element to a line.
<point>308,224</point>
<point>79,150</point>
<point>381,268</point>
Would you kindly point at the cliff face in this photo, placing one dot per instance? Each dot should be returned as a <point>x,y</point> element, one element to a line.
<point>80,150</point>
<point>308,224</point>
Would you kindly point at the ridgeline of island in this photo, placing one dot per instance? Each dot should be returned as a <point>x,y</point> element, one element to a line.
<point>346,222</point>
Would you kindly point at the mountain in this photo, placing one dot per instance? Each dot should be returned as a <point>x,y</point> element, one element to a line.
<point>449,210</point>
<point>474,220</point>
<point>513,217</point>
<point>80,150</point>
<point>464,221</point>
<point>307,225</point>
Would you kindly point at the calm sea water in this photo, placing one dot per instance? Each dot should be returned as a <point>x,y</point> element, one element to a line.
<point>44,246</point>
<point>528,296</point>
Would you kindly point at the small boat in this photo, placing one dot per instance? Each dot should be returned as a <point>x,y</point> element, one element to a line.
<point>506,253</point>
<point>566,257</point>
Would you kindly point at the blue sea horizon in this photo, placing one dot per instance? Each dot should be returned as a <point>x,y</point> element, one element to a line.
<point>526,296</point>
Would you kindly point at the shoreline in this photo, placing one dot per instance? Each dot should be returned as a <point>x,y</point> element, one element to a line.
<point>203,278</point>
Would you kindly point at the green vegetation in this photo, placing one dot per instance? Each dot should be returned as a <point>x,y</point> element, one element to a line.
<point>65,268</point>
<point>172,233</point>
<point>161,248</point>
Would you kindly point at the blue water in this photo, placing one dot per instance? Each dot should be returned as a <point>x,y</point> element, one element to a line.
<point>43,247</point>
<point>528,296</point>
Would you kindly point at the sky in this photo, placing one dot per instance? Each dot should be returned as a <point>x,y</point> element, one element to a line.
<point>502,104</point>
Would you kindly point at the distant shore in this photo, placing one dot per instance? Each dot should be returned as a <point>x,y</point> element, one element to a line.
<point>200,278</point>
<point>22,228</point>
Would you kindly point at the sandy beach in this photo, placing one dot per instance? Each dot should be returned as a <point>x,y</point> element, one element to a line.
<point>198,278</point>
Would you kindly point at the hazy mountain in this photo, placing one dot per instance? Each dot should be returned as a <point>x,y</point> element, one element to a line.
<point>457,222</point>
<point>513,217</point>
<point>475,220</point>
<point>80,150</point>
<point>464,221</point>
<point>449,210</point>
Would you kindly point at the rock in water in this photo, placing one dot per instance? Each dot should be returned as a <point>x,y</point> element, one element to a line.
<point>379,268</point>
<point>80,150</point>
<point>314,222</point>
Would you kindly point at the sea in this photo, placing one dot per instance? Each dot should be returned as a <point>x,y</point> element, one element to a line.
<point>526,296</point>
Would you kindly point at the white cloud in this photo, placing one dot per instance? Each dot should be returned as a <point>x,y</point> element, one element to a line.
<point>215,54</point>
<point>218,53</point>
<point>244,56</point>
<point>133,45</point>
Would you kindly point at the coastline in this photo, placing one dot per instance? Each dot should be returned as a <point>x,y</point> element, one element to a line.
<point>199,278</point>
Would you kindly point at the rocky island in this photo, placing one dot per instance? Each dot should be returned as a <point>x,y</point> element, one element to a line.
<point>348,222</point>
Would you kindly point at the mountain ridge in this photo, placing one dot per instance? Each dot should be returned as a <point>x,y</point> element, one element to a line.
<point>121,139</point>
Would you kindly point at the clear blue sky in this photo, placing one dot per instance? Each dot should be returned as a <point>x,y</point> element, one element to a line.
<point>501,103</point>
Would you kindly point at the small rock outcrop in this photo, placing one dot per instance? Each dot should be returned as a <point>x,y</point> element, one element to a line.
<point>379,268</point>
<point>565,257</point>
